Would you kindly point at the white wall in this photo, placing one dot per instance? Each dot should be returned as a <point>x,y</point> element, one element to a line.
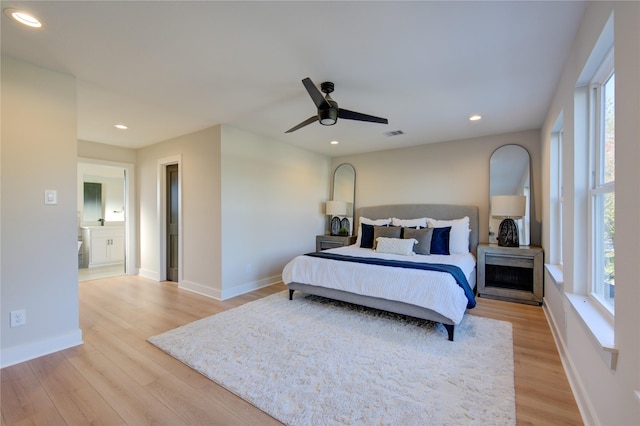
<point>455,172</point>
<point>249,205</point>
<point>272,207</point>
<point>111,153</point>
<point>605,396</point>
<point>199,162</point>
<point>38,243</point>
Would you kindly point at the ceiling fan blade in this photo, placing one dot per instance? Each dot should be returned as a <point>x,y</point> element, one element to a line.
<point>304,123</point>
<point>315,94</point>
<point>352,115</point>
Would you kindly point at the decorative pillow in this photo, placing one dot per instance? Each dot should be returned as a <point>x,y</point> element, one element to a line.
<point>410,223</point>
<point>395,245</point>
<point>367,221</point>
<point>385,231</point>
<point>423,236</point>
<point>440,240</point>
<point>365,236</point>
<point>459,238</point>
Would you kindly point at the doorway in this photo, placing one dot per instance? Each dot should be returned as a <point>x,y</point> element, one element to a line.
<point>104,228</point>
<point>172,215</point>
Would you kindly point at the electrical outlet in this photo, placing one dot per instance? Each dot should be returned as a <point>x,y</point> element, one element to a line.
<point>18,318</point>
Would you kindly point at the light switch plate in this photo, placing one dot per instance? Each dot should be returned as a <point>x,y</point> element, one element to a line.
<point>50,196</point>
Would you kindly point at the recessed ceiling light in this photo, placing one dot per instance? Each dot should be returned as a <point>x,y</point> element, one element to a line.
<point>334,142</point>
<point>120,126</point>
<point>23,17</point>
<point>475,117</point>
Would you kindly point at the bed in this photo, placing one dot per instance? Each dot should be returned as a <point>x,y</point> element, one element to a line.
<point>393,282</point>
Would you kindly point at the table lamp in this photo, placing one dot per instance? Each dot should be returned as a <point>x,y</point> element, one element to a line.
<point>508,207</point>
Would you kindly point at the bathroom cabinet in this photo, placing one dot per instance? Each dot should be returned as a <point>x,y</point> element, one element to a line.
<point>103,245</point>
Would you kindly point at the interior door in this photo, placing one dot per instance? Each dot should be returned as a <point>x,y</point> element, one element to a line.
<point>172,222</point>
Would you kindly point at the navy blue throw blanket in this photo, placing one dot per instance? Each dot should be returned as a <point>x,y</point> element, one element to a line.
<point>455,271</point>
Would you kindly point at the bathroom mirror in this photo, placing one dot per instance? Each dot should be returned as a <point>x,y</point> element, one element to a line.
<point>344,189</point>
<point>93,207</point>
<point>101,194</point>
<point>509,174</point>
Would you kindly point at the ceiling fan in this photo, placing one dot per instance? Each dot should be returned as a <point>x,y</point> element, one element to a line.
<point>328,111</point>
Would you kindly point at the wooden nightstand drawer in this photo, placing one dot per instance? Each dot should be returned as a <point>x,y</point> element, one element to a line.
<point>506,260</point>
<point>324,245</point>
<point>325,242</point>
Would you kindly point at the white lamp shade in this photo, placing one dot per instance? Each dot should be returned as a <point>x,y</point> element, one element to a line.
<point>512,206</point>
<point>336,208</point>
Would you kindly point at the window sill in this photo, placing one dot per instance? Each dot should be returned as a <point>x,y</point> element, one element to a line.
<point>598,324</point>
<point>556,273</point>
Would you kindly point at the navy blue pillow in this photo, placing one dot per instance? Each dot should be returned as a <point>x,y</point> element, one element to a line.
<point>367,236</point>
<point>440,240</point>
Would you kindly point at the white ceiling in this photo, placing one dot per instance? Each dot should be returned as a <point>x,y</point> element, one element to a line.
<point>169,68</point>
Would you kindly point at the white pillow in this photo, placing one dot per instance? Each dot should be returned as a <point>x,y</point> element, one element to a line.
<point>459,236</point>
<point>410,223</point>
<point>367,221</point>
<point>396,245</point>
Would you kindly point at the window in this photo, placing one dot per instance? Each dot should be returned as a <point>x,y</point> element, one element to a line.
<point>560,192</point>
<point>602,188</point>
<point>557,194</point>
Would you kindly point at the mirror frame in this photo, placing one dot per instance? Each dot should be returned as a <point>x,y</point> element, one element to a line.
<point>351,203</point>
<point>522,223</point>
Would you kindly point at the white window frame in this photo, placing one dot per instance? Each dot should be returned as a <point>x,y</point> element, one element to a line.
<point>598,188</point>
<point>557,196</point>
<point>560,189</point>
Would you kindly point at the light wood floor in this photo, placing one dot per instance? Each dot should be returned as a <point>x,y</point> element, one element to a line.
<point>116,377</point>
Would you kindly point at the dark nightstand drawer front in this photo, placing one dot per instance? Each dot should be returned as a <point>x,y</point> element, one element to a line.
<point>509,277</point>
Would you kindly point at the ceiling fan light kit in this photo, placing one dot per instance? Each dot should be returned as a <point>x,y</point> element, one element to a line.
<point>328,111</point>
<point>328,117</point>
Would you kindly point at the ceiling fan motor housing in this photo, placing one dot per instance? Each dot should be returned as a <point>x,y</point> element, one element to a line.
<point>328,116</point>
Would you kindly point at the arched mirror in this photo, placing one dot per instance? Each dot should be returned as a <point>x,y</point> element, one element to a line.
<point>344,191</point>
<point>509,175</point>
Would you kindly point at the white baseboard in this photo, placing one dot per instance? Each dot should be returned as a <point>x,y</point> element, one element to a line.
<point>250,286</point>
<point>200,289</point>
<point>147,273</point>
<point>228,294</point>
<point>22,353</point>
<point>579,393</point>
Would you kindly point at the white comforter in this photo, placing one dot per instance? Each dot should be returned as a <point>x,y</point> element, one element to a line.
<point>434,290</point>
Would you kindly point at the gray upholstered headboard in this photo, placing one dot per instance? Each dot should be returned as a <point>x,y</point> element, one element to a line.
<point>434,211</point>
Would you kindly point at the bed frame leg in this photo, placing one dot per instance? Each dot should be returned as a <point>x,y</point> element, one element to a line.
<point>291,294</point>
<point>450,329</point>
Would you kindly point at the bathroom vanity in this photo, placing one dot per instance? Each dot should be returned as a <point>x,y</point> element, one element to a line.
<point>102,245</point>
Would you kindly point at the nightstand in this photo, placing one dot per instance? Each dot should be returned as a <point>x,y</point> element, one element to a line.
<point>324,242</point>
<point>510,273</point>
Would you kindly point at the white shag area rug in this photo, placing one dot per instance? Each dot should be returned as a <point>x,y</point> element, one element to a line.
<point>314,361</point>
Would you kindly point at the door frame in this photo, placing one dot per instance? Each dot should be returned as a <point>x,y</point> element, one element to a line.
<point>129,206</point>
<point>162,215</point>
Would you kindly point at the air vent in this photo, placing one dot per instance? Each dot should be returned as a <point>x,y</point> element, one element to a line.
<point>394,133</point>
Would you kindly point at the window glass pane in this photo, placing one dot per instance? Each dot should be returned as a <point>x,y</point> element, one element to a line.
<point>609,151</point>
<point>604,254</point>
